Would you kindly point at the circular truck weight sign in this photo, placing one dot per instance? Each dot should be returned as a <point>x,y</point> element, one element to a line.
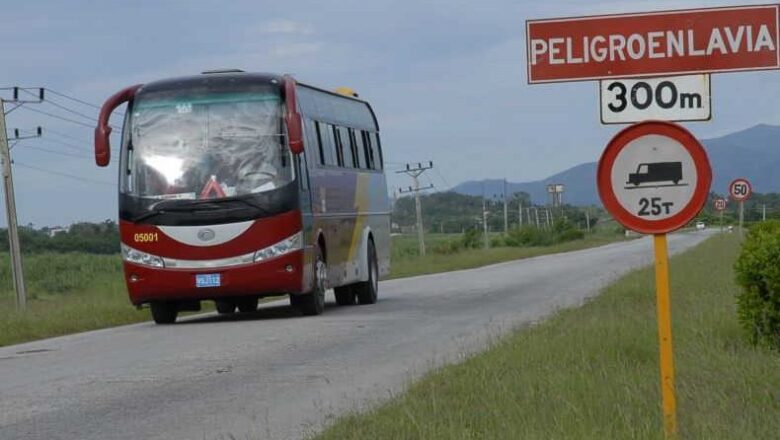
<point>740,190</point>
<point>654,177</point>
<point>720,204</point>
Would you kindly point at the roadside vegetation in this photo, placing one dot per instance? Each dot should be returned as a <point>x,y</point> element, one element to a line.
<point>447,252</point>
<point>70,292</point>
<point>758,272</point>
<point>592,372</point>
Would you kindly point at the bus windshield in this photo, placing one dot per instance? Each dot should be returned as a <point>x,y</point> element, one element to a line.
<point>186,145</point>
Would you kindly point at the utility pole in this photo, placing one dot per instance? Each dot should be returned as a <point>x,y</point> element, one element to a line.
<point>763,212</point>
<point>17,270</point>
<point>536,214</point>
<point>520,218</point>
<point>415,173</point>
<point>506,211</point>
<point>587,219</point>
<point>484,225</point>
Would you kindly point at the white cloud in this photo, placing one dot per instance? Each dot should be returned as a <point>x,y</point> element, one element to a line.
<point>285,26</point>
<point>295,49</point>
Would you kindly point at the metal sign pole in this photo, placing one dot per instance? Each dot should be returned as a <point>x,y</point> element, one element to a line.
<point>665,335</point>
<point>741,216</point>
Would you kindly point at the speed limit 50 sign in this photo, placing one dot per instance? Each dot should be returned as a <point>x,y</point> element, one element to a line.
<point>654,177</point>
<point>677,98</point>
<point>740,189</point>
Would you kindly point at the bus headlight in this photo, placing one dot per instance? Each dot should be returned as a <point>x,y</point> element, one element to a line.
<point>289,244</point>
<point>135,256</point>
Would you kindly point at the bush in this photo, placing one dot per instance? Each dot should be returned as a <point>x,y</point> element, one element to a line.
<point>529,236</point>
<point>448,247</point>
<point>570,235</point>
<point>471,239</point>
<point>758,272</point>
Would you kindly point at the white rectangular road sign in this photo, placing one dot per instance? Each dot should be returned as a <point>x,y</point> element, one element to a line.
<point>675,98</point>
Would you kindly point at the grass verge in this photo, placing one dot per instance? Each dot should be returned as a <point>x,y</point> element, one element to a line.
<point>592,372</point>
<point>411,264</point>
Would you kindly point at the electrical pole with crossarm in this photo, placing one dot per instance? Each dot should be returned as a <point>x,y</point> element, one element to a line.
<point>8,189</point>
<point>414,173</point>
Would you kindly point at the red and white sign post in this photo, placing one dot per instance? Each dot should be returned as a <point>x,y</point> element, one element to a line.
<point>720,206</point>
<point>740,190</point>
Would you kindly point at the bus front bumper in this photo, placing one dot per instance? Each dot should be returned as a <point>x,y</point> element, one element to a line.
<point>280,275</point>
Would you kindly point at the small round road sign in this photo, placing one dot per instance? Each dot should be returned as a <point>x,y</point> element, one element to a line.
<point>720,204</point>
<point>740,189</point>
<point>654,177</point>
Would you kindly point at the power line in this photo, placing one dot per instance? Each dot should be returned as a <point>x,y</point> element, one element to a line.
<point>61,153</point>
<point>57,173</point>
<point>88,104</point>
<point>441,176</point>
<point>92,119</point>
<point>62,118</point>
<point>66,136</point>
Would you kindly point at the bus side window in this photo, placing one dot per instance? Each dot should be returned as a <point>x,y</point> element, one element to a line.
<point>328,144</point>
<point>316,139</point>
<point>302,172</point>
<point>369,152</point>
<point>378,147</point>
<point>350,161</point>
<point>360,147</point>
<point>339,145</point>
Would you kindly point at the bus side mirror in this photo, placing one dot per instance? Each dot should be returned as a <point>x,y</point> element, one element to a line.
<point>103,129</point>
<point>291,116</point>
<point>295,132</point>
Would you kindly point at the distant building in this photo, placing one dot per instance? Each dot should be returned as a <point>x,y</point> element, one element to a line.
<point>54,230</point>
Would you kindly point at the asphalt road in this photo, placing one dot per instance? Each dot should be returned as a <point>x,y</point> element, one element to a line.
<point>273,374</point>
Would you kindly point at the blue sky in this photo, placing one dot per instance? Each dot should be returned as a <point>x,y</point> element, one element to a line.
<point>446,78</point>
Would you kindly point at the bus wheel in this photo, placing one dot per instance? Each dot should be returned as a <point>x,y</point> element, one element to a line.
<point>164,312</point>
<point>345,295</point>
<point>367,291</point>
<point>225,307</point>
<point>313,303</point>
<point>247,304</point>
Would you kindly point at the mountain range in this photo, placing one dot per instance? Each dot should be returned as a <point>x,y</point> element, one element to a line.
<point>753,153</point>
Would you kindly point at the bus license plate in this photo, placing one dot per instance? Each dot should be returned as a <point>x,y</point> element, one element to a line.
<point>207,280</point>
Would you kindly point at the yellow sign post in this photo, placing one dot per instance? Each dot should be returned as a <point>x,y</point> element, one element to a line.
<point>663,311</point>
<point>654,177</point>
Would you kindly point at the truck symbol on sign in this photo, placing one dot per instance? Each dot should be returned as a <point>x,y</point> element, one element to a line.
<point>656,172</point>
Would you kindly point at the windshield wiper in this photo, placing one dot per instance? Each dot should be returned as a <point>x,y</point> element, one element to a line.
<point>199,206</point>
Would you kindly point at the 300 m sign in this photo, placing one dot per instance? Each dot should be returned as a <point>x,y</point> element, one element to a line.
<point>679,98</point>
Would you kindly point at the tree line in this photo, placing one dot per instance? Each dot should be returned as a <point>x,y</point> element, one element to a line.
<point>92,238</point>
<point>452,212</point>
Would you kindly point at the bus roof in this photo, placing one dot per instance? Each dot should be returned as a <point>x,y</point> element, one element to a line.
<point>316,103</point>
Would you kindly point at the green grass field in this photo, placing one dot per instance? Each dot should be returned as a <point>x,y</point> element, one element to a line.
<point>75,292</point>
<point>592,372</point>
<point>406,261</point>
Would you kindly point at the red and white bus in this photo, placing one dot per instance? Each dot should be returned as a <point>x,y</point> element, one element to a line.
<point>234,186</point>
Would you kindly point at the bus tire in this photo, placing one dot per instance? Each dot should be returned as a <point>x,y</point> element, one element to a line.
<point>164,312</point>
<point>368,291</point>
<point>247,304</point>
<point>313,303</point>
<point>225,307</point>
<point>345,295</point>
